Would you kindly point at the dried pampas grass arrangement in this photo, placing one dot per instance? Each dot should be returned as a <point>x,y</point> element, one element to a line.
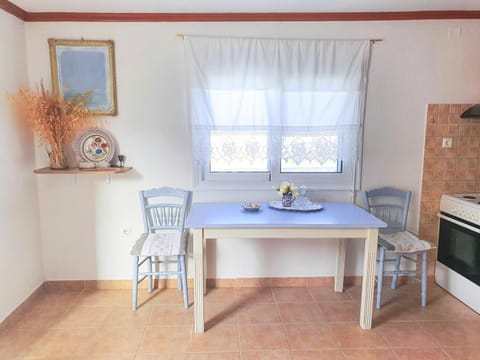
<point>55,120</point>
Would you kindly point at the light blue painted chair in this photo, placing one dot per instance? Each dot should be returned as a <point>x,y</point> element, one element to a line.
<point>164,211</point>
<point>391,206</point>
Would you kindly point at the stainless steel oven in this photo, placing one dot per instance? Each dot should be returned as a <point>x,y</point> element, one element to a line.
<point>458,262</point>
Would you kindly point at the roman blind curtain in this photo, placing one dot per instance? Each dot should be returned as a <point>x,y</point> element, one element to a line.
<point>282,86</point>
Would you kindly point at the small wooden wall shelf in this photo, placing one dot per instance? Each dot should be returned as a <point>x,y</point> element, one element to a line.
<point>74,171</point>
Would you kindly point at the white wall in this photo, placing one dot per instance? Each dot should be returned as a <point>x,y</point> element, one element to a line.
<point>21,269</point>
<point>419,62</point>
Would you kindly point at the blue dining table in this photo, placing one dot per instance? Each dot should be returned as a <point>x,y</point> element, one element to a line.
<point>335,221</point>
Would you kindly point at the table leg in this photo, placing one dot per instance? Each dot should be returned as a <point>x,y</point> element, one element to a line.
<point>198,306</point>
<point>204,266</point>
<point>368,281</point>
<point>340,273</point>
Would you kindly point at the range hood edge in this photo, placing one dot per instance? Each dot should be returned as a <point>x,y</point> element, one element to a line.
<point>471,113</point>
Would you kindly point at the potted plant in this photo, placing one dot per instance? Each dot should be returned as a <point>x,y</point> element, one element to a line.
<point>288,191</point>
<point>55,120</point>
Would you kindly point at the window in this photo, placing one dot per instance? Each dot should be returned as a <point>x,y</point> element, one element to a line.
<point>310,153</point>
<point>238,151</point>
<point>261,157</point>
<point>265,110</point>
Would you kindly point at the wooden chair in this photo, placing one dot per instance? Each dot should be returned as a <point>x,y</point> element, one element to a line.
<point>164,211</point>
<point>391,206</point>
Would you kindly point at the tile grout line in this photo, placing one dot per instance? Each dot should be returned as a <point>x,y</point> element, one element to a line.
<point>395,354</point>
<point>446,353</point>
<point>328,324</point>
<point>282,322</point>
<point>238,325</point>
<point>190,339</point>
<point>143,332</point>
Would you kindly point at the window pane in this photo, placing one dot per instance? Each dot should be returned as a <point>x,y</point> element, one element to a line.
<point>238,151</point>
<point>310,153</point>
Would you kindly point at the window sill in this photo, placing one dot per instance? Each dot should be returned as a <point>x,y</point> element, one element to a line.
<point>203,187</point>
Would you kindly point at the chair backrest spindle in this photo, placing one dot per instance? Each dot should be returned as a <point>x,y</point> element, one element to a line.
<point>164,208</point>
<point>390,205</point>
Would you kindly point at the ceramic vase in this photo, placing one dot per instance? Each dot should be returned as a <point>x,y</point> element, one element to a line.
<point>287,200</point>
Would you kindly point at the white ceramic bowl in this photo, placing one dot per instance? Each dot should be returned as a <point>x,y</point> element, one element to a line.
<point>252,206</point>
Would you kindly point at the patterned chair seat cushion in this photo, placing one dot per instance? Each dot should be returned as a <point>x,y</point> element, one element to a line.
<point>404,242</point>
<point>167,243</point>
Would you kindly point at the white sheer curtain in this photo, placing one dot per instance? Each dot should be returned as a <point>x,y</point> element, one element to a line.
<point>278,86</point>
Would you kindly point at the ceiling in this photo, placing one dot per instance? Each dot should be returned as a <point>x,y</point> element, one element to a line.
<point>243,5</point>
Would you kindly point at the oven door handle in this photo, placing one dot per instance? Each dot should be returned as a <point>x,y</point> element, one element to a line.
<point>459,223</point>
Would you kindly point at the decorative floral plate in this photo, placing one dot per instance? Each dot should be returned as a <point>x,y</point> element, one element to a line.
<point>96,145</point>
<point>308,207</point>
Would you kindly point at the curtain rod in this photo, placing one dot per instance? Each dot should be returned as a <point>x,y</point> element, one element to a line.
<point>181,37</point>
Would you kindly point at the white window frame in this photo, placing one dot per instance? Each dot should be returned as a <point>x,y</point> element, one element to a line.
<point>348,179</point>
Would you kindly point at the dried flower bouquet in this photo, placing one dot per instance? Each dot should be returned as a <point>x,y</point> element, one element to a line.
<point>55,120</point>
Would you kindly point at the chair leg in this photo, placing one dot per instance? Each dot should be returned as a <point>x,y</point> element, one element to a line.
<point>183,272</point>
<point>179,270</point>
<point>424,278</point>
<point>135,283</point>
<point>397,269</point>
<point>150,277</point>
<point>381,259</point>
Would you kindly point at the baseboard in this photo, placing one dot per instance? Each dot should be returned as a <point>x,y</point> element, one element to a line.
<point>316,281</point>
<point>16,314</point>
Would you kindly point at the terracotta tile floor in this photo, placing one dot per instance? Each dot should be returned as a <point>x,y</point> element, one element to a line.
<point>256,323</point>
